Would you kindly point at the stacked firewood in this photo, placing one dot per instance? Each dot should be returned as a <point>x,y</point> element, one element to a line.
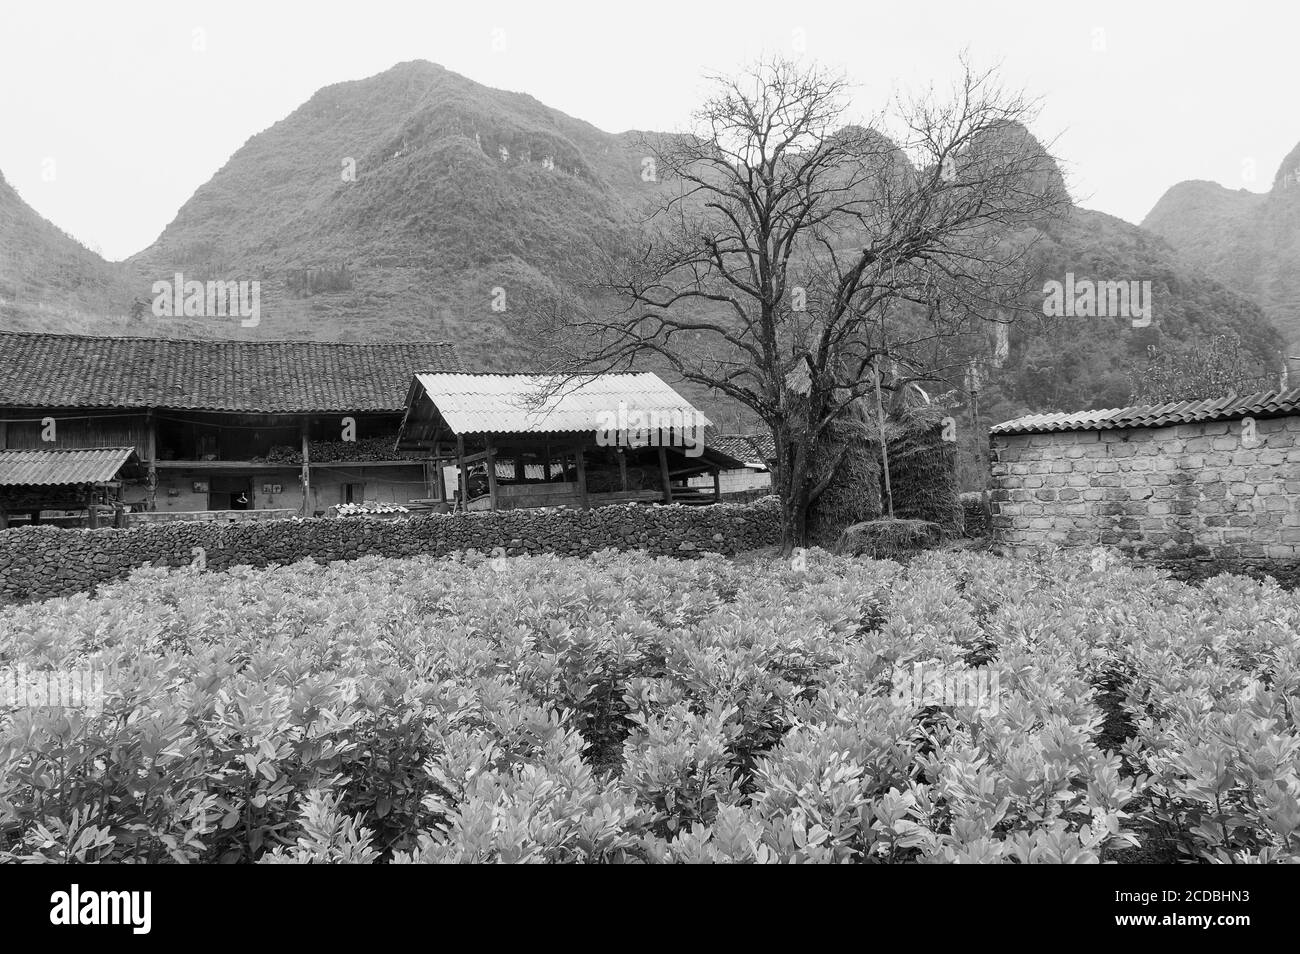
<point>328,452</point>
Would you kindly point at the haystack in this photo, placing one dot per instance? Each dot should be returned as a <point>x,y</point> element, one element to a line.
<point>922,465</point>
<point>854,494</point>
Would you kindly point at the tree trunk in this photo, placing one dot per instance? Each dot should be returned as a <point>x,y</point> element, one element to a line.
<point>792,486</point>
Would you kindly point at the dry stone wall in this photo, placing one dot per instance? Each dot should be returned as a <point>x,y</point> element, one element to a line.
<point>42,562</point>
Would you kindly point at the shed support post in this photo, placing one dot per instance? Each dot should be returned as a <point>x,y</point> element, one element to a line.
<point>439,488</point>
<point>717,484</point>
<point>663,475</point>
<point>462,478</point>
<point>582,478</point>
<point>492,472</point>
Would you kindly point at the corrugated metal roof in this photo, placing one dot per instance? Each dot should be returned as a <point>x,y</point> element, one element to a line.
<point>60,466</point>
<point>543,404</point>
<point>272,377</point>
<point>1229,408</point>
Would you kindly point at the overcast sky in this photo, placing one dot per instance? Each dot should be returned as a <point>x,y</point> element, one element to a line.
<point>113,113</point>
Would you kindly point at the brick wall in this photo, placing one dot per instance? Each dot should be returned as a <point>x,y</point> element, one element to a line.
<point>1189,490</point>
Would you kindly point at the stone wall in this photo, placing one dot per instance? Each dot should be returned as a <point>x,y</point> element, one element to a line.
<point>1180,492</point>
<point>43,562</point>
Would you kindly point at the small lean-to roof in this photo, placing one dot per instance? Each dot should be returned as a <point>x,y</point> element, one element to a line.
<point>1229,408</point>
<point>543,404</point>
<point>50,467</point>
<point>754,450</point>
<point>266,377</point>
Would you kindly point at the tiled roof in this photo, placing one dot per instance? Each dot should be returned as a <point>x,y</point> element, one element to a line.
<point>751,449</point>
<point>287,377</point>
<point>53,466</point>
<point>1230,408</point>
<point>521,403</point>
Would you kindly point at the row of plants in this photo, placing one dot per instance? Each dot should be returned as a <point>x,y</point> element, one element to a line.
<point>621,708</point>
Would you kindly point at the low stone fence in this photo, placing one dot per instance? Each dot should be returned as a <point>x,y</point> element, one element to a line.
<point>43,562</point>
<point>207,516</point>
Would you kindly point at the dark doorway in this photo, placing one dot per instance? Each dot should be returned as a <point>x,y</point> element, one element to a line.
<point>230,493</point>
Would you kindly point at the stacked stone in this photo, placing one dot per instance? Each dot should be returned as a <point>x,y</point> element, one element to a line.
<point>43,562</point>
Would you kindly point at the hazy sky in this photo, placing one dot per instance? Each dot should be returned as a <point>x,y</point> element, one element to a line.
<point>113,113</point>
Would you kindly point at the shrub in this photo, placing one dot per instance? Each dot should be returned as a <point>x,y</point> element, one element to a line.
<point>625,708</point>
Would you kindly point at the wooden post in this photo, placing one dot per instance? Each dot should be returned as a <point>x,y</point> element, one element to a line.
<point>622,467</point>
<point>717,484</point>
<point>663,475</point>
<point>981,445</point>
<point>582,478</point>
<point>307,508</point>
<point>546,468</point>
<point>461,477</point>
<point>439,488</point>
<point>4,519</point>
<point>492,472</point>
<point>884,443</point>
<point>151,453</point>
<point>520,473</point>
<point>4,438</point>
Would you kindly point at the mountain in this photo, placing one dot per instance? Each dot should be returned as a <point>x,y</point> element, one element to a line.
<point>1043,363</point>
<point>1080,363</point>
<point>1247,240</point>
<point>415,203</point>
<point>51,282</point>
<point>418,204</point>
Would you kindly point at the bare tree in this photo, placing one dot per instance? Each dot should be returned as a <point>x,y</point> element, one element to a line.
<point>796,252</point>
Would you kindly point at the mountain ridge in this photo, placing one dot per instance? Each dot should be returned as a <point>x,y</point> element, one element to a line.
<point>417,204</point>
<point>1249,241</point>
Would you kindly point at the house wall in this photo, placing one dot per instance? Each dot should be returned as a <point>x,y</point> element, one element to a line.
<point>735,481</point>
<point>175,488</point>
<point>396,485</point>
<point>176,494</point>
<point>23,430</point>
<point>1190,490</point>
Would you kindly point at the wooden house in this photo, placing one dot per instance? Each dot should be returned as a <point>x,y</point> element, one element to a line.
<point>537,441</point>
<point>227,430</point>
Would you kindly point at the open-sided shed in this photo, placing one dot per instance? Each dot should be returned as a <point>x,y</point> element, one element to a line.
<point>601,439</point>
<point>61,479</point>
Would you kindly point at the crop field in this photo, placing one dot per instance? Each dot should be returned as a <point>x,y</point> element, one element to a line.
<point>960,708</point>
